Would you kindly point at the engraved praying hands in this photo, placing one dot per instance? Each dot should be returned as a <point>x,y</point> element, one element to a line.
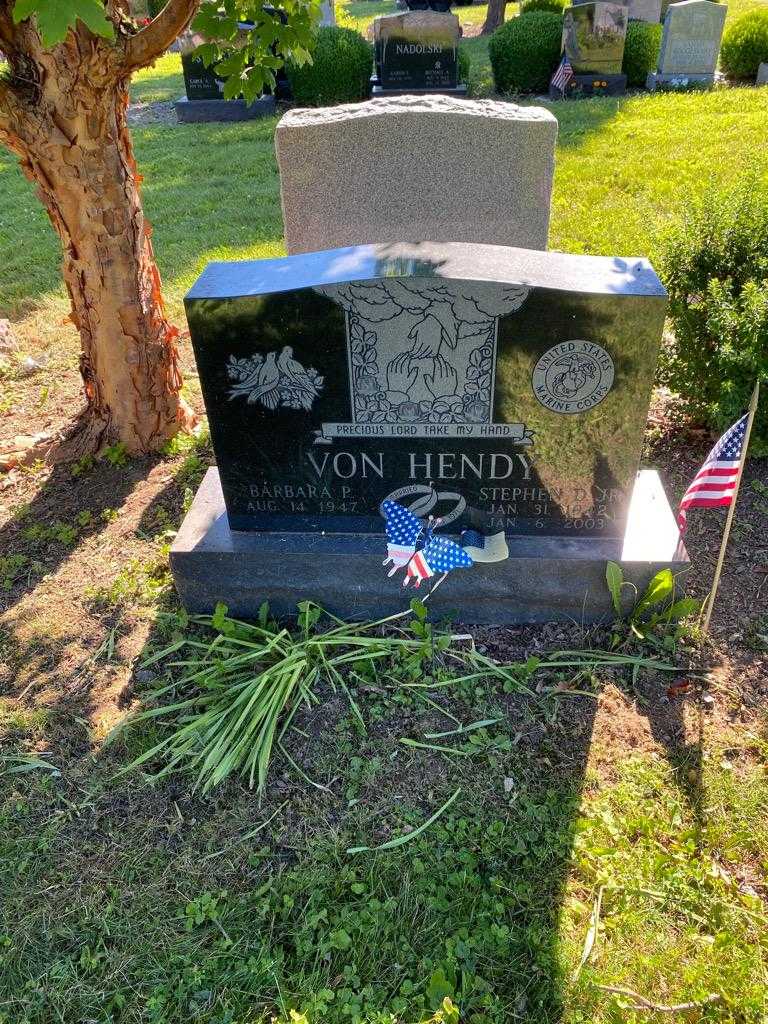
<point>401,376</point>
<point>443,382</point>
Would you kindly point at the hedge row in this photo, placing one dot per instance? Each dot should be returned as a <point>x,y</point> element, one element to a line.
<point>340,71</point>
<point>714,264</point>
<point>745,45</point>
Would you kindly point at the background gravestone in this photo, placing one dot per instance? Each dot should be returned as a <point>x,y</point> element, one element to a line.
<point>762,74</point>
<point>416,51</point>
<point>407,167</point>
<point>690,44</point>
<point>204,99</point>
<point>637,10</point>
<point>501,390</point>
<point>645,10</point>
<point>593,40</point>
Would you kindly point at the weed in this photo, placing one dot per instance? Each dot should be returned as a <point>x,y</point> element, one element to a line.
<point>116,454</point>
<point>58,532</point>
<point>143,581</point>
<point>82,465</point>
<point>12,569</point>
<point>654,617</point>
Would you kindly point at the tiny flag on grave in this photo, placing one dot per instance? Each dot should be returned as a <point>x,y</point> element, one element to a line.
<point>715,483</point>
<point>562,75</point>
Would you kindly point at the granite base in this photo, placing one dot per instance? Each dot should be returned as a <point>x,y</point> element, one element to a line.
<point>379,92</point>
<point>678,82</point>
<point>544,579</point>
<point>197,111</point>
<point>596,84</point>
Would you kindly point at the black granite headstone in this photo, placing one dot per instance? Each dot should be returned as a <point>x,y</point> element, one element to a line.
<point>200,82</point>
<point>416,51</point>
<point>204,87</point>
<point>489,382</point>
<point>495,398</point>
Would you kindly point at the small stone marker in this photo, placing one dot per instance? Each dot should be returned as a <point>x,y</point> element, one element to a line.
<point>407,167</point>
<point>416,51</point>
<point>593,40</point>
<point>690,45</point>
<point>500,390</point>
<point>762,74</point>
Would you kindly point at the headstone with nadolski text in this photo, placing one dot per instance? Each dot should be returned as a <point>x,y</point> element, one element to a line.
<point>416,52</point>
<point>690,45</point>
<point>453,410</point>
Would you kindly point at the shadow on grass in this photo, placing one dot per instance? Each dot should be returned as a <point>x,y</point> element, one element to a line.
<point>683,753</point>
<point>65,511</point>
<point>232,922</point>
<point>470,908</point>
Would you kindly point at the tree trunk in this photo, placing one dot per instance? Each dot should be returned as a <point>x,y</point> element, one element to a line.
<point>71,136</point>
<point>494,16</point>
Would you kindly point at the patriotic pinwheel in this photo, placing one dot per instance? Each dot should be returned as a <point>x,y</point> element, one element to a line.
<point>438,555</point>
<point>403,530</point>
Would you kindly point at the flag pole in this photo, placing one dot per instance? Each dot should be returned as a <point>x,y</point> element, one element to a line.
<point>731,508</point>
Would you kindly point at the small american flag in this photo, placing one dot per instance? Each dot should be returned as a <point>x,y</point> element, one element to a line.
<point>562,75</point>
<point>715,483</point>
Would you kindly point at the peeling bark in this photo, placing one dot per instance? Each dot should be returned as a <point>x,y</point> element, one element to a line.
<point>63,112</point>
<point>145,46</point>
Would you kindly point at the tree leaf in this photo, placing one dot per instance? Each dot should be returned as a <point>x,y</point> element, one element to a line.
<point>251,56</point>
<point>55,18</point>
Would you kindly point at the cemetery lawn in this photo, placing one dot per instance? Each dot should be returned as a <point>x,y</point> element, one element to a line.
<point>625,821</point>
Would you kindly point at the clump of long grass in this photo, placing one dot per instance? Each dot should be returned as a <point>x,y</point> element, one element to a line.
<point>247,684</point>
<point>243,687</point>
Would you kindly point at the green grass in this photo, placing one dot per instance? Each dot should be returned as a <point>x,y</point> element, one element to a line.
<point>625,168</point>
<point>126,904</point>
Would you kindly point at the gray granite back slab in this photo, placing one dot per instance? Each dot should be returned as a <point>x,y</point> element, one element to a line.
<point>414,168</point>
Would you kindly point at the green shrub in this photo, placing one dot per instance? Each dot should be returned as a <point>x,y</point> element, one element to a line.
<point>715,267</point>
<point>524,52</point>
<point>745,45</point>
<point>641,51</point>
<point>340,70</point>
<point>527,6</point>
<point>464,64</point>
